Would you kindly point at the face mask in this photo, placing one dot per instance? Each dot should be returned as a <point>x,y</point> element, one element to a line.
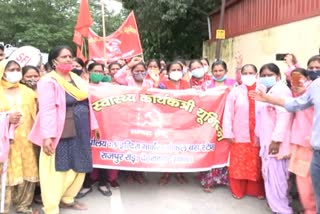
<point>206,68</point>
<point>248,80</point>
<point>198,73</point>
<point>96,77</point>
<point>107,79</point>
<point>13,77</point>
<point>268,82</point>
<point>314,74</point>
<point>175,75</point>
<point>222,79</point>
<point>139,76</point>
<point>30,83</point>
<point>64,68</point>
<point>77,71</point>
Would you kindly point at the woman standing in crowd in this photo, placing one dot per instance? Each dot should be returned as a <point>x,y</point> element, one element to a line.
<point>133,74</point>
<point>198,74</point>
<point>174,82</point>
<point>314,67</point>
<point>273,131</point>
<point>305,101</point>
<point>301,151</point>
<point>218,175</point>
<point>96,74</point>
<point>30,76</point>
<point>78,66</point>
<point>113,68</point>
<point>220,77</point>
<point>245,164</point>
<point>22,171</point>
<point>62,129</point>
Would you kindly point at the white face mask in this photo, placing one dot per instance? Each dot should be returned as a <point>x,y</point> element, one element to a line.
<point>175,75</point>
<point>13,76</point>
<point>249,80</point>
<point>206,68</point>
<point>198,73</point>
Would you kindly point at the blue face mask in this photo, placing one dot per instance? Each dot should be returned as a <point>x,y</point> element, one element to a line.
<point>268,82</point>
<point>222,79</point>
<point>313,74</point>
<point>198,73</point>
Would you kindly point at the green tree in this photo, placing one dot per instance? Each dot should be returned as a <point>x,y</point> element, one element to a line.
<point>171,29</point>
<point>40,23</point>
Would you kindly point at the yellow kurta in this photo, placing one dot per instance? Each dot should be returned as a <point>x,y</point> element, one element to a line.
<point>23,161</point>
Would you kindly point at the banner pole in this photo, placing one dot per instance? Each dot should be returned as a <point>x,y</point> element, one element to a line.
<point>104,33</point>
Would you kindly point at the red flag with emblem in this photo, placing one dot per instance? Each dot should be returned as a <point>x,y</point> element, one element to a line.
<point>122,44</point>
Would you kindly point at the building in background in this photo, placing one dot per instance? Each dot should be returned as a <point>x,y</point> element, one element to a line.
<point>261,28</point>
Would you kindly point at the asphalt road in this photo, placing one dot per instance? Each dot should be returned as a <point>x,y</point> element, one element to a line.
<point>173,198</point>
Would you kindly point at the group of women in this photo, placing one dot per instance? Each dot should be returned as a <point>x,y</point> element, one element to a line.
<point>54,113</point>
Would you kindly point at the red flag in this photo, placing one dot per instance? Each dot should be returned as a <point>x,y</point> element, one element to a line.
<point>84,19</point>
<point>122,44</point>
<point>80,54</point>
<point>77,38</point>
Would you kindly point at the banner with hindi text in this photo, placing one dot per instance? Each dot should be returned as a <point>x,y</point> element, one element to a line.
<point>159,130</point>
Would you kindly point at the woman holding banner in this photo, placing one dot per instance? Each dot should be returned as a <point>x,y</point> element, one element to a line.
<point>174,82</point>
<point>62,129</point>
<point>218,175</point>
<point>245,176</point>
<point>21,173</point>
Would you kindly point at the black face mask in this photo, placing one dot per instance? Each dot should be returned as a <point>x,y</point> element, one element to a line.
<point>314,74</point>
<point>77,71</point>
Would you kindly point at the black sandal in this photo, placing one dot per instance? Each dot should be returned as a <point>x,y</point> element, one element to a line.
<point>107,192</point>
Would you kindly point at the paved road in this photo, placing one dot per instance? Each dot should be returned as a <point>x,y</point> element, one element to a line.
<point>173,198</point>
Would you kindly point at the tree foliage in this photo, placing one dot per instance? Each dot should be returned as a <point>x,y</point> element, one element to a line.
<point>171,29</point>
<point>47,23</point>
<point>40,23</point>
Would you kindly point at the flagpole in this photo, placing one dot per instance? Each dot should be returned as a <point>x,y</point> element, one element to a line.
<point>104,33</point>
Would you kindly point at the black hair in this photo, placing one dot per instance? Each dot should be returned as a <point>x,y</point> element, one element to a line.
<point>114,63</point>
<point>302,71</point>
<point>47,67</point>
<point>271,67</point>
<point>249,65</point>
<point>79,61</point>
<point>55,52</point>
<point>206,59</point>
<point>154,60</point>
<point>173,63</point>
<point>26,68</point>
<point>140,63</point>
<point>10,63</point>
<point>2,47</point>
<point>219,62</point>
<point>182,61</point>
<point>314,58</point>
<point>92,65</point>
<point>193,61</point>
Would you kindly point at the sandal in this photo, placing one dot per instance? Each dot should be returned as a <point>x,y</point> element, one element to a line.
<point>139,178</point>
<point>208,189</point>
<point>181,179</point>
<point>105,190</point>
<point>165,178</point>
<point>261,197</point>
<point>29,211</point>
<point>83,192</point>
<point>74,206</point>
<point>236,197</point>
